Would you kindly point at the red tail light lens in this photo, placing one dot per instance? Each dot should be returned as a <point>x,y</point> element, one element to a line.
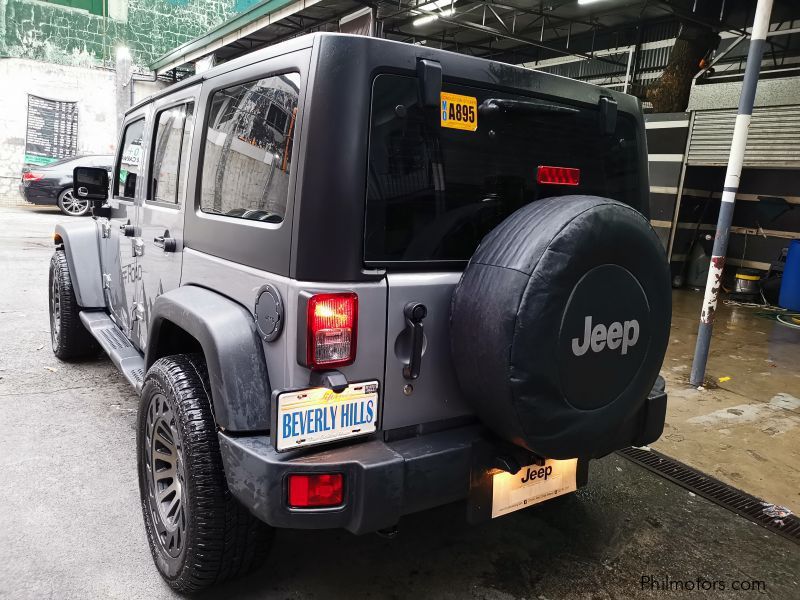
<point>31,176</point>
<point>558,175</point>
<point>316,490</point>
<point>332,329</point>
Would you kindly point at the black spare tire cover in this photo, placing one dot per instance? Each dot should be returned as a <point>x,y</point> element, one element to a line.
<point>560,323</point>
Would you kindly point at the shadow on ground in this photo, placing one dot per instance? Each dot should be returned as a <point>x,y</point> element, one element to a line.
<point>599,543</point>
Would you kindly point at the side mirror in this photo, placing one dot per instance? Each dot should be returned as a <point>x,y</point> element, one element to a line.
<point>90,183</point>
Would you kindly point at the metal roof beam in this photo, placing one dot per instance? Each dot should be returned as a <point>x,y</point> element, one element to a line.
<point>496,32</point>
<point>258,17</point>
<point>670,8</point>
<point>451,41</point>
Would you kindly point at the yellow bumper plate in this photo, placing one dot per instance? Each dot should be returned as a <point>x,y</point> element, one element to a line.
<point>532,485</point>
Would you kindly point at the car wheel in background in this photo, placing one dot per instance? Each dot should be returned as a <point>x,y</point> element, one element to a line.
<point>72,206</point>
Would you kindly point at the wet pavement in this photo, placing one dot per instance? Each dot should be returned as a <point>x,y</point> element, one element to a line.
<point>745,429</point>
<point>70,524</point>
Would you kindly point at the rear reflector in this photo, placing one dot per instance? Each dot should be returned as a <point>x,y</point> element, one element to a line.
<point>30,176</point>
<point>332,329</point>
<point>316,490</point>
<point>558,175</point>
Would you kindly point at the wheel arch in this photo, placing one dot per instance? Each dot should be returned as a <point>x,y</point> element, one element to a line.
<point>191,318</point>
<point>79,240</point>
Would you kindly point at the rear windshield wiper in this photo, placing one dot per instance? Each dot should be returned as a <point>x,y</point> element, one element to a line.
<point>499,106</point>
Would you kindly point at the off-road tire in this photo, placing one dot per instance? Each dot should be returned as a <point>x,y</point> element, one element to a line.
<point>69,338</point>
<point>220,538</point>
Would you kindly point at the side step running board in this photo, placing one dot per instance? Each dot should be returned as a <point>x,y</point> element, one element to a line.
<point>119,349</point>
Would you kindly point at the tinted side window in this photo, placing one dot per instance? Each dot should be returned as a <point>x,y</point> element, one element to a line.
<point>129,162</point>
<point>248,149</point>
<point>170,154</point>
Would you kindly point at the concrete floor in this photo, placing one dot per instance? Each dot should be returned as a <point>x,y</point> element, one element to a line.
<point>70,524</point>
<point>744,431</point>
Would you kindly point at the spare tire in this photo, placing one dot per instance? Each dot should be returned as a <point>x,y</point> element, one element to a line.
<point>560,323</point>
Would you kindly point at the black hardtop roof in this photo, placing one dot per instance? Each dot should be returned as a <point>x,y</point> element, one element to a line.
<point>390,46</point>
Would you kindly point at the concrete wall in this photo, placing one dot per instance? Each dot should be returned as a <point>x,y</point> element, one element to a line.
<point>52,49</point>
<point>51,32</point>
<point>91,88</point>
<point>770,92</point>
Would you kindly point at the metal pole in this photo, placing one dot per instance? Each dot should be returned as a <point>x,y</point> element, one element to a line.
<point>673,231</point>
<point>628,70</point>
<point>731,186</point>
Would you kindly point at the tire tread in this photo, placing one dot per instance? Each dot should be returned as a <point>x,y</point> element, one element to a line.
<point>223,539</point>
<point>75,341</point>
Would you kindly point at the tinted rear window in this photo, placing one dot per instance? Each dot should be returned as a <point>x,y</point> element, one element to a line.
<point>433,192</point>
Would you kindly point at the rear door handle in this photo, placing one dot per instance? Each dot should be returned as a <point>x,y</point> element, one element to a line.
<point>414,313</point>
<point>167,243</point>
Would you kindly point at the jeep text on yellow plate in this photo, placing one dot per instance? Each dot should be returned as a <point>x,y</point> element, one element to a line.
<point>459,112</point>
<point>532,484</point>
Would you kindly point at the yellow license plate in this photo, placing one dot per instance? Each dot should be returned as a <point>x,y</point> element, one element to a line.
<point>532,484</point>
<point>459,112</point>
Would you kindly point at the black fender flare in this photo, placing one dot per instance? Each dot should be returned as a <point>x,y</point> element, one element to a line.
<point>80,242</point>
<point>226,331</point>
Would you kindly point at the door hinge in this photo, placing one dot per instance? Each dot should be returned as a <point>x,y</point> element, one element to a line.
<point>138,311</point>
<point>106,281</point>
<point>138,246</point>
<point>105,229</point>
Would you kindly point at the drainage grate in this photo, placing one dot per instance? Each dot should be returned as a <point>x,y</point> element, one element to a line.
<point>742,504</point>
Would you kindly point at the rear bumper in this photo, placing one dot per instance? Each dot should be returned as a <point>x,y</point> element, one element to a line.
<point>37,195</point>
<point>383,480</point>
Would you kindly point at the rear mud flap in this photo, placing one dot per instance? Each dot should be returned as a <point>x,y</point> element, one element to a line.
<point>655,412</point>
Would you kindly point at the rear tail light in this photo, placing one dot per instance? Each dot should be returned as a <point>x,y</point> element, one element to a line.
<point>558,175</point>
<point>332,322</point>
<point>31,176</point>
<point>315,490</point>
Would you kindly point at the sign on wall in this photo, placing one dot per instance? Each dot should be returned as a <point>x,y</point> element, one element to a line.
<point>52,131</point>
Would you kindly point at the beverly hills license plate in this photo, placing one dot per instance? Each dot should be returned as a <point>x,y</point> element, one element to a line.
<point>316,416</point>
<point>532,484</point>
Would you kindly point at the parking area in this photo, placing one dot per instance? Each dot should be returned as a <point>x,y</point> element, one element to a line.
<point>71,521</point>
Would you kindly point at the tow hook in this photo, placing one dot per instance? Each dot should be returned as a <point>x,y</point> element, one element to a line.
<point>389,533</point>
<point>333,380</point>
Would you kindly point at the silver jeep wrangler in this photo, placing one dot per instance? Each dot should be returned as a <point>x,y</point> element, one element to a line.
<point>354,279</point>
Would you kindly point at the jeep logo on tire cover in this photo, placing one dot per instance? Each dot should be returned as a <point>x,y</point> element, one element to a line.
<point>604,336</point>
<point>614,336</point>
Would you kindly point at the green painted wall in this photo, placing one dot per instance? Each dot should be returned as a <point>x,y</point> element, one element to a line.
<point>67,32</point>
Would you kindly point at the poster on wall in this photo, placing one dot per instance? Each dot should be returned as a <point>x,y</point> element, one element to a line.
<point>52,131</point>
